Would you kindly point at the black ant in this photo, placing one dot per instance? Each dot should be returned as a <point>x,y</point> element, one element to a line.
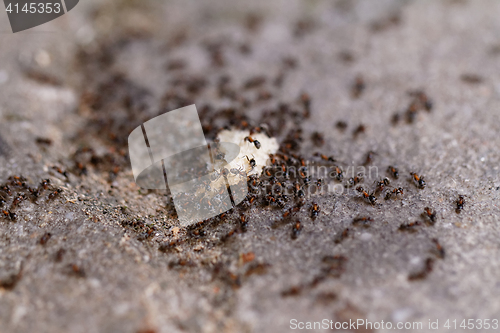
<point>360,129</point>
<point>363,221</point>
<point>18,200</point>
<point>45,183</point>
<point>52,195</point>
<point>306,101</point>
<point>440,252</point>
<point>325,158</point>
<point>409,226</point>
<point>238,171</point>
<point>59,170</point>
<point>396,117</point>
<point>422,98</point>
<point>429,264</point>
<point>431,214</point>
<point>358,87</point>
<point>12,216</point>
<point>7,190</point>
<point>45,238</point>
<point>215,176</point>
<point>259,129</point>
<point>393,171</point>
<point>296,229</point>
<point>341,125</point>
<point>286,175</point>
<point>411,112</point>
<point>255,142</point>
<point>370,197</point>
<point>243,223</point>
<point>353,181</point>
<point>251,162</point>
<point>382,184</point>
<point>305,177</point>
<point>369,158</point>
<point>394,192</point>
<point>298,190</point>
<point>339,173</point>
<point>460,203</point>
<point>419,180</point>
<point>315,210</point>
<point>318,139</point>
<point>343,235</point>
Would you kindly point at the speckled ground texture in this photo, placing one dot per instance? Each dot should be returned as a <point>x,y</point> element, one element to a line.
<point>116,260</point>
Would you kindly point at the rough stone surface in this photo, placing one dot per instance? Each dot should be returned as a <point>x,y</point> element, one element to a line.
<point>116,259</point>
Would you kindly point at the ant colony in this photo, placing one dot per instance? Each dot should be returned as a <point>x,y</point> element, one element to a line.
<point>255,149</point>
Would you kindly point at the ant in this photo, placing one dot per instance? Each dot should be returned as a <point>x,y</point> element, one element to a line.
<point>358,87</point>
<point>369,157</point>
<point>315,210</point>
<point>251,162</point>
<point>10,215</point>
<point>411,112</point>
<point>382,184</point>
<point>259,129</point>
<point>305,177</point>
<point>243,223</point>
<point>298,190</point>
<point>343,235</point>
<point>419,180</point>
<point>341,125</point>
<point>318,139</point>
<point>225,172</point>
<point>59,170</point>
<point>370,197</point>
<point>45,238</point>
<point>354,181</point>
<point>286,175</point>
<point>409,226</point>
<point>296,229</point>
<point>396,117</point>
<point>255,142</point>
<point>439,250</point>
<point>363,221</point>
<point>215,176</point>
<point>339,173</point>
<point>45,183</point>
<point>394,192</point>
<point>324,157</point>
<point>306,101</point>
<point>360,129</point>
<point>431,214</point>
<point>267,172</point>
<point>18,199</point>
<point>429,264</point>
<point>238,171</point>
<point>7,190</point>
<point>52,195</point>
<point>422,98</point>
<point>460,203</point>
<point>393,171</point>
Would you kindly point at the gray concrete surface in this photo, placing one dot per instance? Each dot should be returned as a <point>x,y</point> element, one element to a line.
<point>107,66</point>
